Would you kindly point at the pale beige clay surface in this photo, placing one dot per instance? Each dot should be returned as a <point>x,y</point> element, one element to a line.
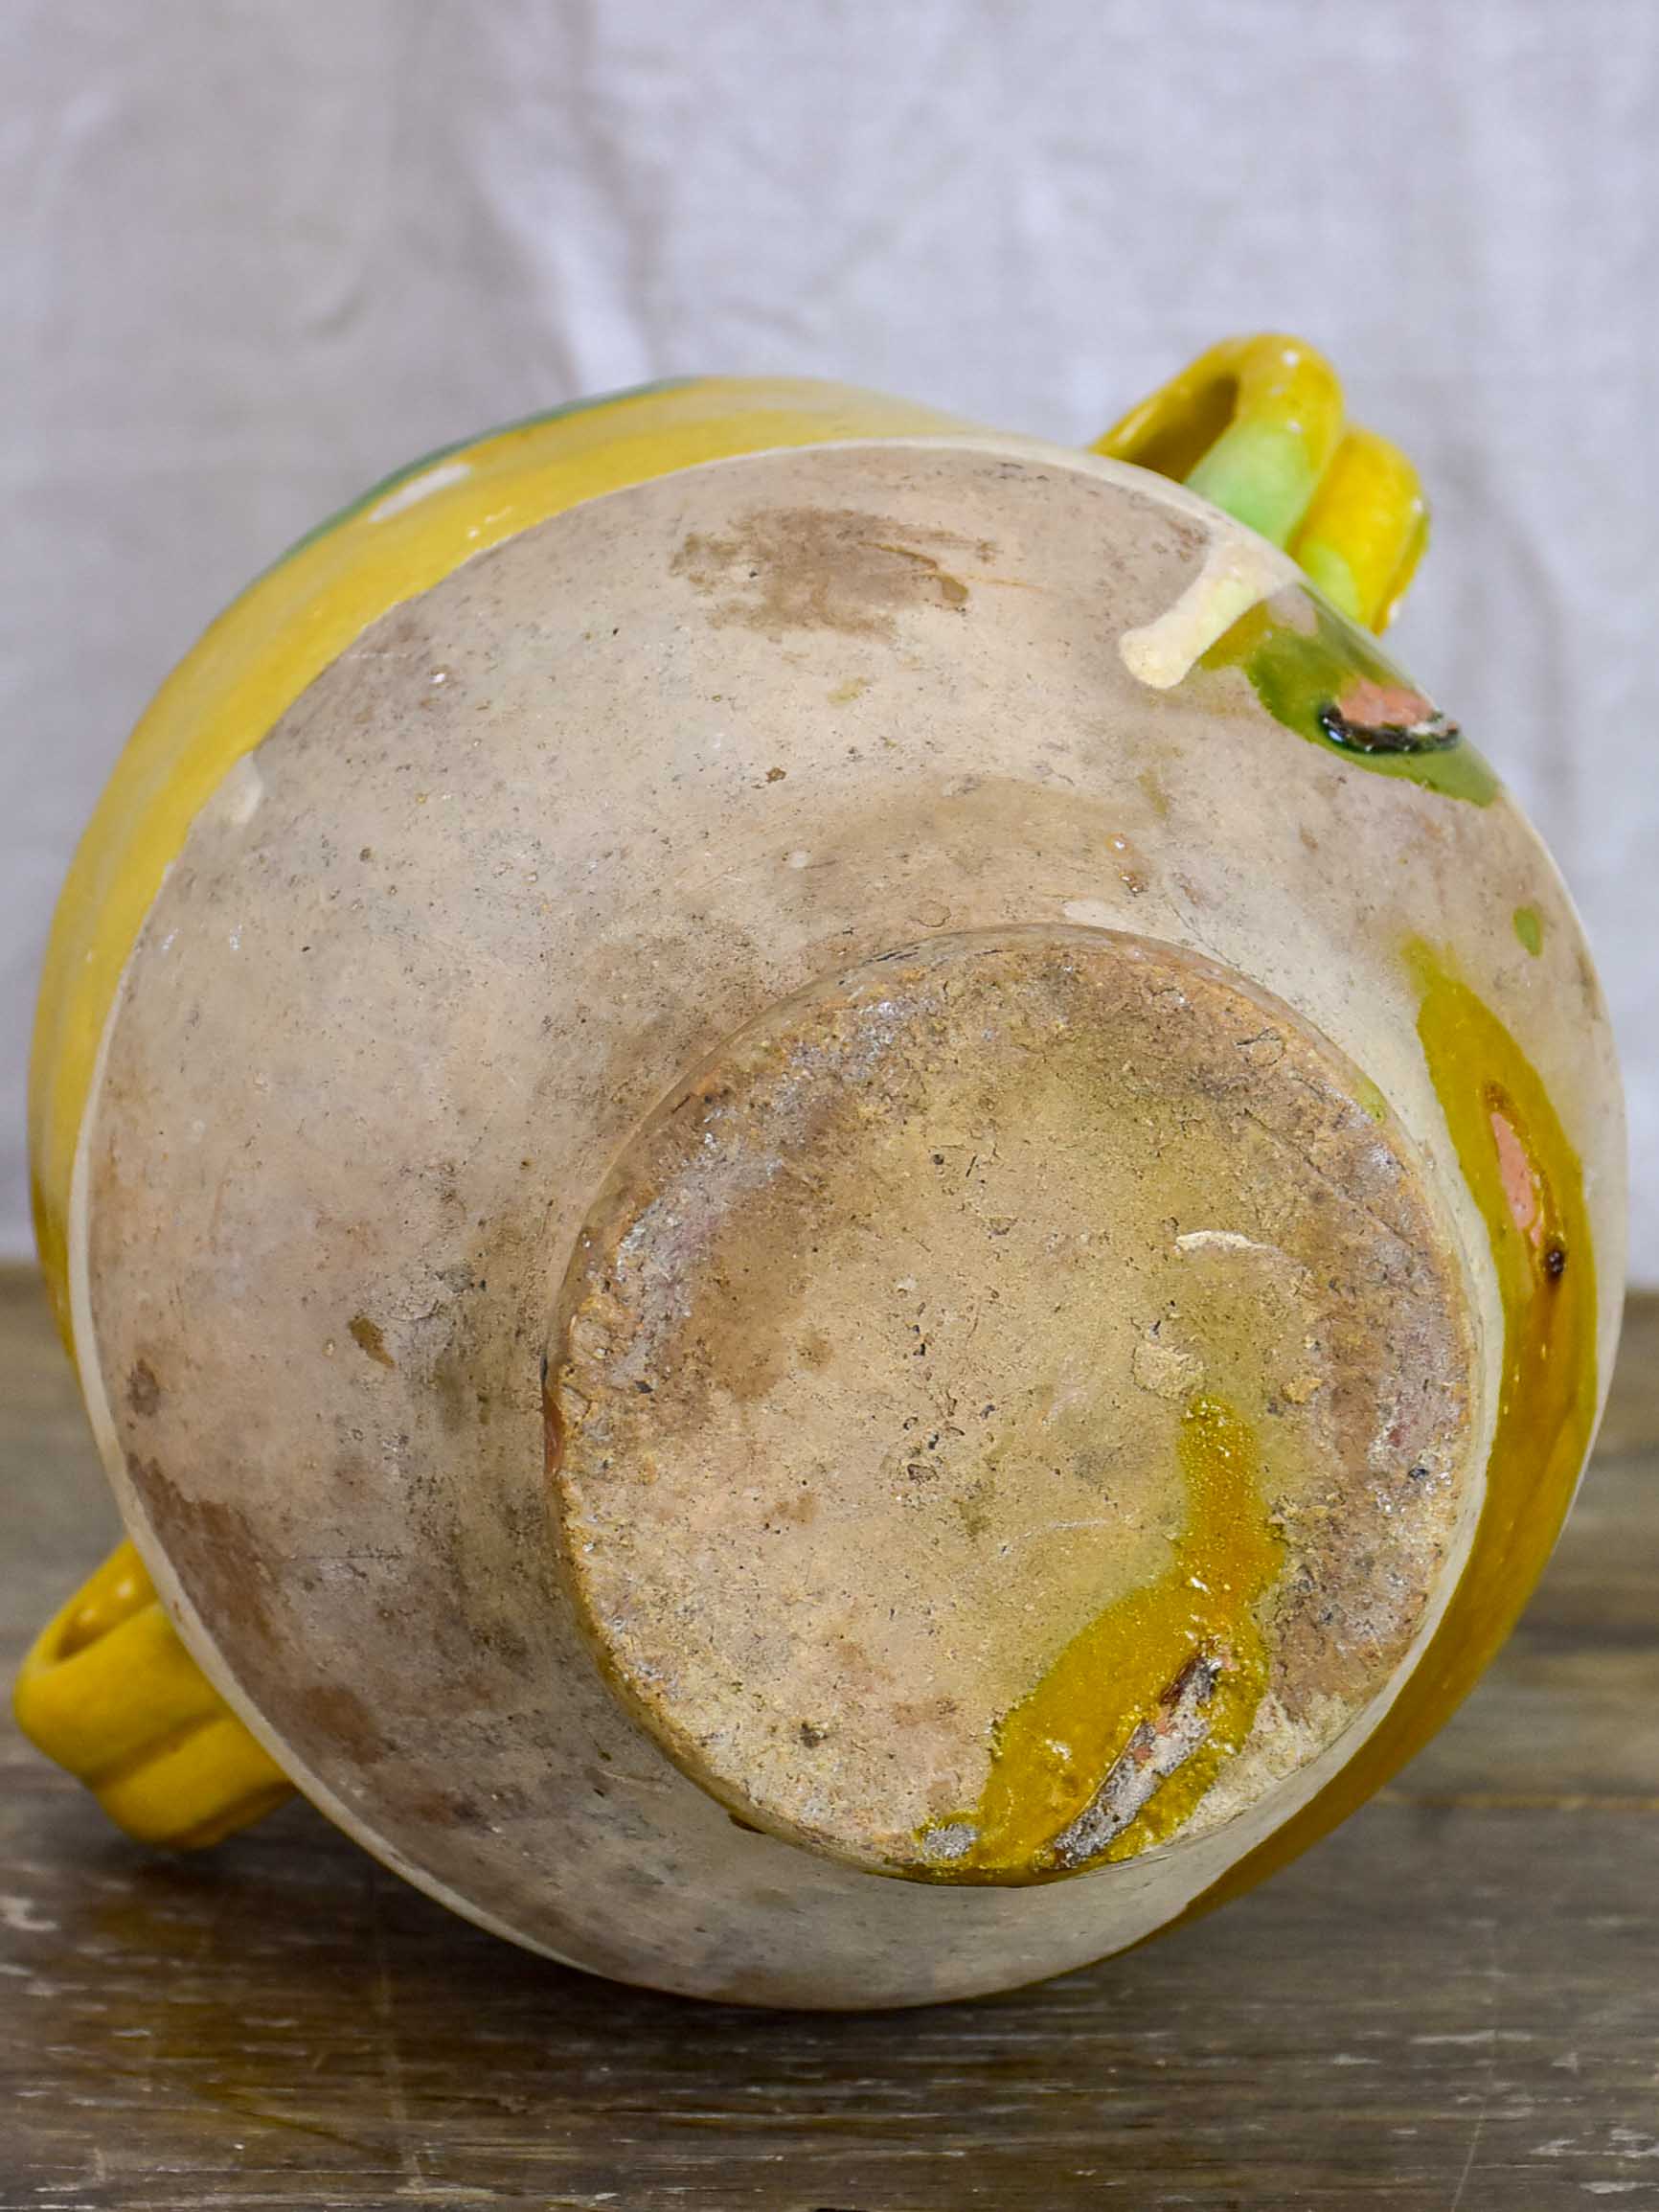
<point>830,1521</point>
<point>677,768</point>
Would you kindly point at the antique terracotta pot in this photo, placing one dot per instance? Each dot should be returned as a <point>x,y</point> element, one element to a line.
<point>842,1214</point>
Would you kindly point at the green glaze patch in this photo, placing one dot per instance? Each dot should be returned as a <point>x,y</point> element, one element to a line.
<point>1322,678</point>
<point>1371,1098</point>
<point>1329,570</point>
<point>1529,928</point>
<point>1261,474</point>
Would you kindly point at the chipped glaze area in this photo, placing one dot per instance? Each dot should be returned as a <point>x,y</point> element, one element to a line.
<point>1529,1184</point>
<point>1320,675</point>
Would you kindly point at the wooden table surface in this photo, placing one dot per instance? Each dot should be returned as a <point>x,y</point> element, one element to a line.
<point>1451,2004</point>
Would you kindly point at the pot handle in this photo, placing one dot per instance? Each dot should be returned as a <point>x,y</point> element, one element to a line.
<point>1256,426</point>
<point>110,1692</point>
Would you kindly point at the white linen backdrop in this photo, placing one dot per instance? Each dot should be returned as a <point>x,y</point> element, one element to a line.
<point>252,257</point>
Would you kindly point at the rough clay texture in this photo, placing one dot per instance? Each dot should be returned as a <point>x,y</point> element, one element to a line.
<point>865,1382</point>
<point>520,859</point>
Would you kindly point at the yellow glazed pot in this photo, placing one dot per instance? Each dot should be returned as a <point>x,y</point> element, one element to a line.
<point>842,1214</point>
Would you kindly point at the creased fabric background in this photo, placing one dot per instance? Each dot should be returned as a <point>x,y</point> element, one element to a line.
<point>252,256</point>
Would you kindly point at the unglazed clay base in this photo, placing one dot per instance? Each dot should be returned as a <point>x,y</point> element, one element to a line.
<point>1013,1382</point>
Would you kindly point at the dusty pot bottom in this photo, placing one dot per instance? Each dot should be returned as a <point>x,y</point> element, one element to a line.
<point>1047,1391</point>
<point>1011,1407</point>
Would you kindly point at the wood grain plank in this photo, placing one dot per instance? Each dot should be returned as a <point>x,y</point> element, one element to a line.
<point>1450,2006</point>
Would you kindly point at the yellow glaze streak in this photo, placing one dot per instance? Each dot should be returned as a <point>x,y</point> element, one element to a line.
<point>287,628</point>
<point>1524,1178</point>
<point>1366,530</point>
<point>109,1692</point>
<point>1056,1748</point>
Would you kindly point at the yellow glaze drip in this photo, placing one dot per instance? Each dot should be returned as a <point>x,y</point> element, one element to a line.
<point>301,615</point>
<point>1525,1180</point>
<point>1056,1747</point>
